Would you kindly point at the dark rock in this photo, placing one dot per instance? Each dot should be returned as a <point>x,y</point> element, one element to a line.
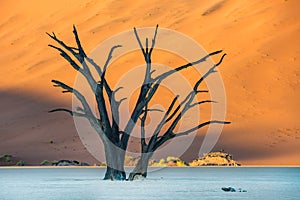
<point>76,162</point>
<point>228,189</point>
<point>241,190</point>
<point>231,189</point>
<point>69,163</point>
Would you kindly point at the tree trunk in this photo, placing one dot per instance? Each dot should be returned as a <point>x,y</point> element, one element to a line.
<point>140,170</point>
<point>114,174</point>
<point>114,161</point>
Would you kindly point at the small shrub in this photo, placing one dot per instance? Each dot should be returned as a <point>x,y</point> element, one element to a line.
<point>45,162</point>
<point>20,163</point>
<point>54,162</point>
<point>161,163</point>
<point>7,157</point>
<point>128,159</point>
<point>103,164</point>
<point>171,158</point>
<point>181,163</point>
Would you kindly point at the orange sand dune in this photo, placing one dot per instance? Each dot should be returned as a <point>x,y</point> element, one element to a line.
<point>261,72</point>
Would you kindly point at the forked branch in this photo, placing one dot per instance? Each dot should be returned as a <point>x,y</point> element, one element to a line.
<point>186,104</point>
<point>86,108</point>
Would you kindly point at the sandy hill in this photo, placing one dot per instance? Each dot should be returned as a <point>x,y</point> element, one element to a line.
<point>261,72</point>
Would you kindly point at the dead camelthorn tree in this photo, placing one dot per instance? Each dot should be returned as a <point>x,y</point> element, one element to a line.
<point>106,125</point>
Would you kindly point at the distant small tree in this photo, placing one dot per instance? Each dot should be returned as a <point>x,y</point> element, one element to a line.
<point>107,125</point>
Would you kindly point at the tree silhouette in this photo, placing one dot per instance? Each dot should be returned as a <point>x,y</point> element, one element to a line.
<point>106,125</point>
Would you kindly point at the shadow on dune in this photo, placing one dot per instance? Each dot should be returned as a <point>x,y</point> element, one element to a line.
<point>29,132</point>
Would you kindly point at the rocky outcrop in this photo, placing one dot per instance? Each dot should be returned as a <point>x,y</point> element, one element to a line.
<point>69,163</point>
<point>215,159</point>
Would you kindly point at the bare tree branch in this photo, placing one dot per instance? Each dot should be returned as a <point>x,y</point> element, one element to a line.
<point>154,136</point>
<point>109,57</point>
<point>114,104</point>
<point>157,81</point>
<point>152,109</point>
<point>72,113</point>
<point>200,126</point>
<point>143,139</point>
<point>210,71</point>
<point>97,89</point>
<point>201,102</point>
<point>102,108</point>
<point>81,52</point>
<point>178,107</point>
<point>168,73</point>
<point>67,57</point>
<point>186,104</point>
<point>79,96</point>
<point>153,40</point>
<point>146,86</point>
<point>80,56</point>
<point>139,41</point>
<point>95,65</point>
<point>192,95</point>
<point>70,49</point>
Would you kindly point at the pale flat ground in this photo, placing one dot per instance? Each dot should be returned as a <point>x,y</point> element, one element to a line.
<point>261,72</point>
